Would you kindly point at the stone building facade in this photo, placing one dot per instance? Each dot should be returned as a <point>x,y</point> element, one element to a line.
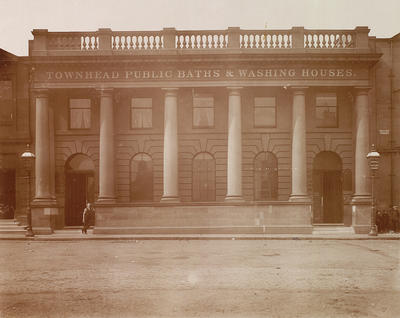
<point>231,131</point>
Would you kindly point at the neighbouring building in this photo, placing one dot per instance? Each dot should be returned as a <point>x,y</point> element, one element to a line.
<point>229,131</point>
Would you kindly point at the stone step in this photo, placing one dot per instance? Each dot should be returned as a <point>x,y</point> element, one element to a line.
<point>8,221</point>
<point>11,227</point>
<point>13,231</point>
<point>326,229</point>
<point>8,224</point>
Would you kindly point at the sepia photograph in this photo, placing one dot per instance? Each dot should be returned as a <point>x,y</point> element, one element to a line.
<point>188,158</point>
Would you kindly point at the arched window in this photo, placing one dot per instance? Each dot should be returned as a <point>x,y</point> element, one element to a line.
<point>265,177</point>
<point>203,177</point>
<point>141,178</point>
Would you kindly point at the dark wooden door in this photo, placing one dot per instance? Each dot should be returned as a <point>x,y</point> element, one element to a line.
<point>75,198</point>
<point>332,197</point>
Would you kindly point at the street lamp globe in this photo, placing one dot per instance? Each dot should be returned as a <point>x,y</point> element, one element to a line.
<point>373,158</point>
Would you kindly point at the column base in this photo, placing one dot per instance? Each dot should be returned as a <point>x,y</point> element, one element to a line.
<point>299,198</point>
<point>44,201</point>
<point>170,199</point>
<point>106,200</point>
<point>43,213</point>
<point>361,198</point>
<point>234,198</point>
<point>361,214</point>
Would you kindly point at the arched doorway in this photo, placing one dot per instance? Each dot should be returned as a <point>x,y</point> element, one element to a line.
<point>79,187</point>
<point>327,188</point>
<point>203,182</point>
<point>265,177</point>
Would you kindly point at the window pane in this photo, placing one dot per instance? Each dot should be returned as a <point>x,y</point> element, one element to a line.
<point>326,116</point>
<point>80,118</point>
<point>264,101</point>
<point>6,102</point>
<point>142,102</point>
<point>79,103</point>
<point>203,117</point>
<point>203,101</point>
<point>80,113</point>
<point>326,100</point>
<point>264,117</point>
<point>142,118</point>
<point>326,110</point>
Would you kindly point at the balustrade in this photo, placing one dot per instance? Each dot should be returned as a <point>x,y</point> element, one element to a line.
<point>73,41</point>
<point>107,41</point>
<point>265,39</point>
<point>201,39</point>
<point>137,40</point>
<point>327,39</point>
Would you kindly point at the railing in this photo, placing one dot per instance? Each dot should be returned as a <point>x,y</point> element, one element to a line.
<point>328,39</point>
<point>201,39</point>
<point>135,40</point>
<point>268,39</point>
<point>106,41</point>
<point>83,41</point>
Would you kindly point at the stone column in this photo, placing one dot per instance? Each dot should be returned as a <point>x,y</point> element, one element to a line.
<point>299,154</point>
<point>52,154</point>
<point>106,160</point>
<point>170,171</point>
<point>362,186</point>
<point>44,206</point>
<point>361,201</point>
<point>234,169</point>
<point>42,163</point>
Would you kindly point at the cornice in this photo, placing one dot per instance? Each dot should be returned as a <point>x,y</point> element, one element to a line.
<point>287,57</point>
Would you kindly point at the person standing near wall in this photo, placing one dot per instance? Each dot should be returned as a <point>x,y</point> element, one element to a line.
<point>88,213</point>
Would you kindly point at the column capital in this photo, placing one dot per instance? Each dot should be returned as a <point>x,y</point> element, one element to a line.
<point>362,90</point>
<point>234,90</point>
<point>105,91</point>
<point>170,91</point>
<point>40,92</point>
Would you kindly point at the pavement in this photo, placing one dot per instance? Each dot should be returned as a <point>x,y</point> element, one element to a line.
<point>76,235</point>
<point>199,278</point>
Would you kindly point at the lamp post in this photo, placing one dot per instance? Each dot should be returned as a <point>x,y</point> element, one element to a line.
<point>373,160</point>
<point>28,158</point>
